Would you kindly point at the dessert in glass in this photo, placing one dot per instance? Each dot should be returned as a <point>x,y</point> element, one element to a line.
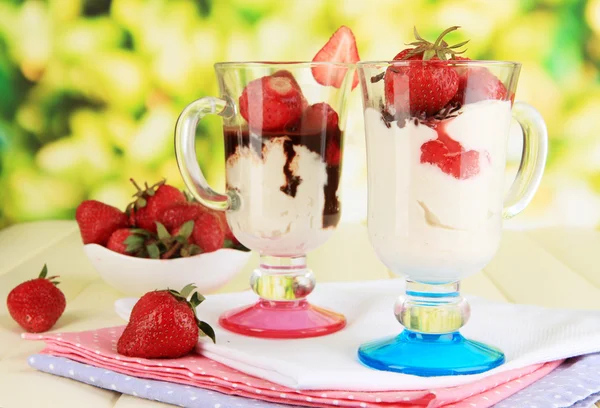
<point>283,126</point>
<point>437,126</point>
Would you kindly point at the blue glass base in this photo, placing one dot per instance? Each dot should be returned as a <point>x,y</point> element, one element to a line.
<point>429,355</point>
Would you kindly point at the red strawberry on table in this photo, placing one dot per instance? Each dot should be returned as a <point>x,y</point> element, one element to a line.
<point>163,324</point>
<point>97,221</point>
<point>36,304</point>
<point>341,47</point>
<point>151,202</point>
<point>208,234</point>
<point>271,102</point>
<point>422,88</point>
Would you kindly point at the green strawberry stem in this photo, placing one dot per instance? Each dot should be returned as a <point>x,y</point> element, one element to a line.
<point>194,301</point>
<point>439,48</point>
<point>172,251</point>
<point>44,275</point>
<point>44,272</point>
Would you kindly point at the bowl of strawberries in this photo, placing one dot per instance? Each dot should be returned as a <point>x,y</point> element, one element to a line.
<point>163,239</point>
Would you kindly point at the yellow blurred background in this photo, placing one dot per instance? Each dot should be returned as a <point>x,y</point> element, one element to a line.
<point>90,89</point>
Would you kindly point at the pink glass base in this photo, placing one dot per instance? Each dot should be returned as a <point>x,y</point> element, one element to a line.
<point>282,320</point>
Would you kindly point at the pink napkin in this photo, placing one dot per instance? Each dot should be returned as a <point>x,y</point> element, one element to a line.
<point>98,348</point>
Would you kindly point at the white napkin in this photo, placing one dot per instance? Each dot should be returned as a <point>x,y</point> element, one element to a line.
<point>527,335</point>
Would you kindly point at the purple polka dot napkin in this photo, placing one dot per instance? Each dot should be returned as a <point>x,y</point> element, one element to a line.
<point>574,384</point>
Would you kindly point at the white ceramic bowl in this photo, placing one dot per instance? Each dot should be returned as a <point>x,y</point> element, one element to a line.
<point>136,276</point>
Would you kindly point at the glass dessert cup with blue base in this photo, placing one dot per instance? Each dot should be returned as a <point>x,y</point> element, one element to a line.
<point>436,203</point>
<point>283,137</point>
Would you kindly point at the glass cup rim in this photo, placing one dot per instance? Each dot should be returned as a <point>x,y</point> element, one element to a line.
<point>281,64</point>
<point>486,63</point>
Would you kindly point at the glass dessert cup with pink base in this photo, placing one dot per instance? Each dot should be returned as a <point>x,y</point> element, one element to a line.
<point>436,201</point>
<point>283,135</point>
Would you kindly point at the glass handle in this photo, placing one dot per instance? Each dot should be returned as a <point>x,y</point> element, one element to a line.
<point>185,150</point>
<point>533,160</point>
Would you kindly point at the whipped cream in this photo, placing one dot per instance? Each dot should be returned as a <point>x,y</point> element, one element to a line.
<point>269,220</point>
<point>424,223</point>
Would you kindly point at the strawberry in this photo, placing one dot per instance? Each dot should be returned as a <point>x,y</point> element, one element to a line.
<point>163,324</point>
<point>422,88</point>
<point>283,73</point>
<point>208,234</point>
<point>116,242</point>
<point>151,202</point>
<point>333,154</point>
<point>97,221</point>
<point>36,304</point>
<point>130,241</point>
<point>179,213</point>
<point>225,227</point>
<point>341,47</point>
<point>317,118</point>
<point>271,102</point>
<point>478,84</point>
<point>459,164</point>
<point>177,243</point>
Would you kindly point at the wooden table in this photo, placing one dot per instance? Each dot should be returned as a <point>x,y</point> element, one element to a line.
<point>549,267</point>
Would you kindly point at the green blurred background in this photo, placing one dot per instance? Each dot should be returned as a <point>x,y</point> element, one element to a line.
<point>90,89</point>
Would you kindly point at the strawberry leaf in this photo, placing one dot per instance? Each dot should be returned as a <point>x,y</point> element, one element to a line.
<point>153,251</point>
<point>133,239</point>
<point>228,244</point>
<point>139,231</point>
<point>194,250</point>
<point>162,231</point>
<point>186,229</point>
<point>206,330</point>
<point>187,290</point>
<point>196,299</point>
<point>44,272</point>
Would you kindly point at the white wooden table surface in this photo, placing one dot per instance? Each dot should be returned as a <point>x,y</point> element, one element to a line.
<point>550,267</point>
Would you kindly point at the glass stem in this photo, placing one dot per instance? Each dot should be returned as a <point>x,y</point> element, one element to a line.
<point>282,278</point>
<point>432,308</point>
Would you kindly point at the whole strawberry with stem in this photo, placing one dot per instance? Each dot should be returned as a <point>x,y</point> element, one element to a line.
<point>151,201</point>
<point>97,221</point>
<point>177,243</point>
<point>163,324</point>
<point>422,88</point>
<point>37,304</point>
<point>208,233</point>
<point>131,241</point>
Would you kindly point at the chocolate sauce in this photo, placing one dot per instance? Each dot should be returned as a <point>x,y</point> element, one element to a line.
<point>240,137</point>
<point>291,182</point>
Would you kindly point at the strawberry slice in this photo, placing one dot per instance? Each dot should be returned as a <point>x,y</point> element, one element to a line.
<point>460,165</point>
<point>341,47</point>
<point>271,102</point>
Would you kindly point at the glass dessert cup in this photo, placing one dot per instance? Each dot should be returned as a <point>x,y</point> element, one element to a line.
<point>436,204</point>
<point>283,136</point>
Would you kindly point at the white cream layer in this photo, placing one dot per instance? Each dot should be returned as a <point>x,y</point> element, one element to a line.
<point>270,221</point>
<point>424,223</point>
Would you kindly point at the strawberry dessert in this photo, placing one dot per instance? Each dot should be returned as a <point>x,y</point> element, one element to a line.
<point>284,160</point>
<point>436,126</point>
